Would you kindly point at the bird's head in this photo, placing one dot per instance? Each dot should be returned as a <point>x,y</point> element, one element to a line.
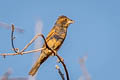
<point>64,21</point>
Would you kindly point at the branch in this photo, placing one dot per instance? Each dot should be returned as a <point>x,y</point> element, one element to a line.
<point>38,35</point>
<point>18,53</point>
<point>60,72</point>
<point>65,68</point>
<point>16,50</point>
<point>12,38</point>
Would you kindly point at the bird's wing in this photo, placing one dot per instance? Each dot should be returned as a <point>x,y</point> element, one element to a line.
<point>51,33</point>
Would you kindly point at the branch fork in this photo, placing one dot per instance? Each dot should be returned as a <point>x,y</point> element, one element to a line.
<point>17,52</point>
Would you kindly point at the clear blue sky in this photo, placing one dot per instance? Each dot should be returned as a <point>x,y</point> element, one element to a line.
<point>95,32</point>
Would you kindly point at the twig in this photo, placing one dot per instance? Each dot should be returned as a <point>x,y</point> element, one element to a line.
<point>26,52</point>
<point>22,51</point>
<point>60,72</point>
<point>38,35</point>
<point>65,68</point>
<point>12,38</point>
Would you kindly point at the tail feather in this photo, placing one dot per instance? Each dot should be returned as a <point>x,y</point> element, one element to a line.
<point>34,69</point>
<point>36,66</point>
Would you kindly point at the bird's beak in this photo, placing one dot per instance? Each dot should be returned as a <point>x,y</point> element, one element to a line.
<point>71,21</point>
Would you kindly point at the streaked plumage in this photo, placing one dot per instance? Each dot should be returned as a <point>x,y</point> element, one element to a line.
<point>54,40</point>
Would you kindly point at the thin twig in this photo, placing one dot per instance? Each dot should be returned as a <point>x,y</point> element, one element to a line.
<point>22,51</point>
<point>65,68</point>
<point>12,38</point>
<point>38,35</point>
<point>26,52</point>
<point>60,72</point>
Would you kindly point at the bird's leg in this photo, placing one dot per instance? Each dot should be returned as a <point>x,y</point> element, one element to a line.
<point>35,37</point>
<point>53,54</point>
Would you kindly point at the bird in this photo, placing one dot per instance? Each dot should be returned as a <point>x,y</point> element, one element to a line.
<point>54,39</point>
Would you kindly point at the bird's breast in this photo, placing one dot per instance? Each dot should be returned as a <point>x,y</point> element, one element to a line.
<point>57,39</point>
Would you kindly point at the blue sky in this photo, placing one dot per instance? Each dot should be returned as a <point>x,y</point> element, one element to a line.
<point>95,32</point>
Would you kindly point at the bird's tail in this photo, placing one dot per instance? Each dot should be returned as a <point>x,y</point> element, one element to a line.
<point>39,61</point>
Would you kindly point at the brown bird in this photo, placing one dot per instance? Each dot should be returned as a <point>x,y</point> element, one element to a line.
<point>54,40</point>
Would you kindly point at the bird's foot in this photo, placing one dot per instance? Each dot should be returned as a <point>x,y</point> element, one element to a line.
<point>54,54</point>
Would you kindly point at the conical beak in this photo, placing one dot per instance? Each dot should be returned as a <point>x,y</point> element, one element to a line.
<point>71,21</point>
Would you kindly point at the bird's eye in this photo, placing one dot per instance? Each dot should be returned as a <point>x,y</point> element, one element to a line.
<point>65,19</point>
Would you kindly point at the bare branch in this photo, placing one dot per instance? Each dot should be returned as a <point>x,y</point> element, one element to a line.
<point>22,51</point>
<point>65,68</point>
<point>26,52</point>
<point>60,72</point>
<point>38,35</point>
<point>12,38</point>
